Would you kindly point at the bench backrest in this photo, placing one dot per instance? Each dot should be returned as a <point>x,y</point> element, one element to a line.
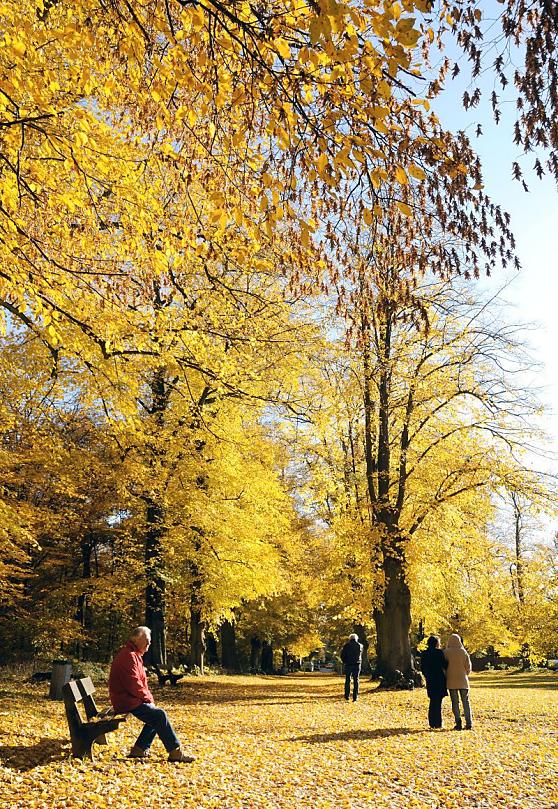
<point>79,689</point>
<point>82,691</point>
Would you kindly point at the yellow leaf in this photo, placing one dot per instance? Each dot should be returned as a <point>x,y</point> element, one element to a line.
<point>416,172</point>
<point>322,163</point>
<point>404,25</point>
<point>342,158</point>
<point>315,30</point>
<point>401,176</point>
<point>404,208</point>
<point>19,47</point>
<point>409,38</point>
<point>282,48</point>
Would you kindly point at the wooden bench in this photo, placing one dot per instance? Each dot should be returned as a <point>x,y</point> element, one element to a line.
<point>83,734</point>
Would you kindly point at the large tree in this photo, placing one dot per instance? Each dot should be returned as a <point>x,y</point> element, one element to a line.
<point>440,425</point>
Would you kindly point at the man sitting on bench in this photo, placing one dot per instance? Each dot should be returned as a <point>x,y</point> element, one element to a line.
<point>129,693</point>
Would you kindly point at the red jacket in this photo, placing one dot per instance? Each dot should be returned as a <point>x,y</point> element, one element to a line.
<point>127,680</point>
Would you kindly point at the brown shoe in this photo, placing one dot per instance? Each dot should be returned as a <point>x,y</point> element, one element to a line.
<point>138,752</point>
<point>178,756</point>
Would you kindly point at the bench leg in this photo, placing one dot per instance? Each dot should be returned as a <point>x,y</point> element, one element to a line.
<point>82,746</point>
<point>83,736</point>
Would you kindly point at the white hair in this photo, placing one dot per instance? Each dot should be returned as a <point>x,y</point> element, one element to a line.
<point>141,630</point>
<point>353,636</point>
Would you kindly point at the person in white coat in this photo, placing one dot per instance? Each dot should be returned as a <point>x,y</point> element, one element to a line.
<point>459,667</point>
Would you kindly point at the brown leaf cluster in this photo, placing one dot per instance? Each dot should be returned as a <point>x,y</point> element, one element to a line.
<point>286,742</point>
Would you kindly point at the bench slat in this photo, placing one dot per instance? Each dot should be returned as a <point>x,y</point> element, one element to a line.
<point>74,688</point>
<point>86,686</point>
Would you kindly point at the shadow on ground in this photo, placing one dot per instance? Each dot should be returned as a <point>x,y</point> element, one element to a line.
<point>517,679</point>
<point>271,690</point>
<point>24,758</point>
<point>357,735</point>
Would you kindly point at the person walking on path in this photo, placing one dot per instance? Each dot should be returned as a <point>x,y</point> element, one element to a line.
<point>433,665</point>
<point>351,657</point>
<point>129,693</point>
<point>457,681</point>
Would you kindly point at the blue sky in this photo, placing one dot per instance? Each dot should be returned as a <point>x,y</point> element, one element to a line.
<point>533,291</point>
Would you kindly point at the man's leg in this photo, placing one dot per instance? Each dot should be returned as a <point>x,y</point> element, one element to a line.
<point>347,682</point>
<point>432,712</point>
<point>356,676</point>
<point>145,739</point>
<point>435,712</point>
<point>156,723</point>
<point>466,707</point>
<point>454,694</point>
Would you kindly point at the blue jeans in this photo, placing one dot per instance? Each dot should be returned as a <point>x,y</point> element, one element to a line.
<point>455,693</point>
<point>354,673</point>
<point>156,723</point>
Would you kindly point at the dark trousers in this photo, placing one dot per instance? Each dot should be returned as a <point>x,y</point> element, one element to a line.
<point>156,723</point>
<point>435,712</point>
<point>354,673</point>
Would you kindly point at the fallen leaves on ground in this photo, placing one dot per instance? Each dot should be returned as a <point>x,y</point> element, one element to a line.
<point>293,742</point>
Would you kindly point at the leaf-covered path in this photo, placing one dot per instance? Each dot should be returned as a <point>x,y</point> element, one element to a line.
<point>294,742</point>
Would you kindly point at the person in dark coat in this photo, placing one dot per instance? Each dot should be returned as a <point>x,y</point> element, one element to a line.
<point>433,665</point>
<point>351,656</point>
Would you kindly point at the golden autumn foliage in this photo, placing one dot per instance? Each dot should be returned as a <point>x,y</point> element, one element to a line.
<point>140,140</point>
<point>85,457</point>
<point>187,191</point>
<point>264,742</point>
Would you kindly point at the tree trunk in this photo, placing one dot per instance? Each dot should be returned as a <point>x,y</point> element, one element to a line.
<point>198,625</point>
<point>155,604</point>
<point>255,655</point>
<point>361,632</point>
<point>212,651</point>
<point>267,657</point>
<point>393,622</point>
<point>229,658</point>
<point>197,640</point>
<point>518,519</point>
<point>83,610</point>
<point>155,589</point>
<point>393,617</point>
